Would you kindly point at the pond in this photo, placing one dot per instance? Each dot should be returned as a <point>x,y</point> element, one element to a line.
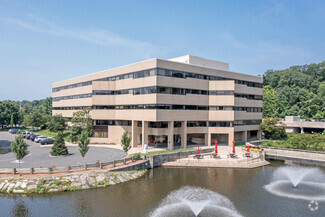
<point>243,187</point>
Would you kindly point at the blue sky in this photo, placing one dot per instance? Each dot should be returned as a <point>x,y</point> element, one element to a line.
<point>42,42</point>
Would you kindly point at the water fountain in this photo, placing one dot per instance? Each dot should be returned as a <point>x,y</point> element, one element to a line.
<point>197,202</point>
<point>296,182</point>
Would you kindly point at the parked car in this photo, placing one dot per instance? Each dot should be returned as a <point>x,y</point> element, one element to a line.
<point>33,137</point>
<point>46,141</point>
<point>26,134</point>
<point>13,131</point>
<point>37,139</point>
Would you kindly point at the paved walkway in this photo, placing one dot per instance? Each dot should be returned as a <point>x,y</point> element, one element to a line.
<point>256,160</point>
<point>295,155</point>
<point>139,149</point>
<point>40,154</point>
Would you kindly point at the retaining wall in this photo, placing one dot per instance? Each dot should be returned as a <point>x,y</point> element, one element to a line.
<point>159,159</point>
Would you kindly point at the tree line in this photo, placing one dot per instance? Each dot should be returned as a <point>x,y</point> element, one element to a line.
<point>299,90</point>
<point>32,113</point>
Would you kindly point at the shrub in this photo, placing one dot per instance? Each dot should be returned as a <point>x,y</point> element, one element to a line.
<point>273,128</point>
<point>59,147</point>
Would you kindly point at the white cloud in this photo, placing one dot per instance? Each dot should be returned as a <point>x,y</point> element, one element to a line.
<point>95,36</point>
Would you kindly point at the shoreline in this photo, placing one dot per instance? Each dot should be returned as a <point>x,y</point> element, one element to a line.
<point>68,182</point>
<point>71,181</point>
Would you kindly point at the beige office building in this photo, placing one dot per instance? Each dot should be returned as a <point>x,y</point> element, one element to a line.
<point>176,102</point>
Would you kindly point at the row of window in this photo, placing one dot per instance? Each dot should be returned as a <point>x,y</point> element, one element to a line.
<point>210,123</point>
<point>56,89</point>
<point>164,107</point>
<point>247,122</point>
<point>161,72</point>
<point>113,122</point>
<point>161,90</point>
<point>249,96</point>
<point>177,124</point>
<point>87,95</point>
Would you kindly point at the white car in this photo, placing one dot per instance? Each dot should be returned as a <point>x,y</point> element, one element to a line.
<point>37,139</point>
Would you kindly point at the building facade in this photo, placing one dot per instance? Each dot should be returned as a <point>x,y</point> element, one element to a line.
<point>294,124</point>
<point>175,102</point>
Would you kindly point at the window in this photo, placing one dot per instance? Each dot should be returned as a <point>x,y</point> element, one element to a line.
<point>161,124</point>
<point>196,124</point>
<point>178,74</point>
<point>220,124</point>
<point>177,124</point>
<point>100,131</point>
<point>161,72</point>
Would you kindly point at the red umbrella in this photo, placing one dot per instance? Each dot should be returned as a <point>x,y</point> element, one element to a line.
<point>216,147</point>
<point>198,149</point>
<point>247,148</point>
<point>233,147</point>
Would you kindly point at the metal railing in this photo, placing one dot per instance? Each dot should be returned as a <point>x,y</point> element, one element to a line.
<point>69,168</point>
<point>291,149</point>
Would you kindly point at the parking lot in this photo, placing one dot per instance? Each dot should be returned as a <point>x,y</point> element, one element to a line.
<point>39,155</point>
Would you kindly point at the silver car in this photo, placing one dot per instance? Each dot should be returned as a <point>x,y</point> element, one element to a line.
<point>37,139</point>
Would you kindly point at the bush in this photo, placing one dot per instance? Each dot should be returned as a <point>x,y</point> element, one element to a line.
<point>126,140</point>
<point>315,142</point>
<point>43,126</point>
<point>59,147</point>
<point>273,129</point>
<point>56,123</point>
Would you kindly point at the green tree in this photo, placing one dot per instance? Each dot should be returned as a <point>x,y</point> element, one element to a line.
<point>81,121</point>
<point>47,106</point>
<point>59,147</point>
<point>12,121</point>
<point>321,90</point>
<point>126,141</point>
<point>7,110</point>
<point>269,96</point>
<point>57,123</point>
<point>19,148</point>
<point>74,133</point>
<point>272,128</point>
<point>300,90</point>
<point>35,119</point>
<point>83,143</point>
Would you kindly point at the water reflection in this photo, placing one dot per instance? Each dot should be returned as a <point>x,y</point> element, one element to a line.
<point>20,209</point>
<point>244,187</point>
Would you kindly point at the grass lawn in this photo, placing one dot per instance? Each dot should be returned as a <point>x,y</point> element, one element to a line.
<point>48,133</point>
<point>3,151</point>
<point>163,152</point>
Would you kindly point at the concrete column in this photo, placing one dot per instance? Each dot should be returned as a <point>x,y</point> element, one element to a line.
<point>230,139</point>
<point>244,136</point>
<point>259,134</point>
<point>301,130</point>
<point>144,133</point>
<point>170,135</point>
<point>184,135</point>
<point>207,139</point>
<point>134,142</point>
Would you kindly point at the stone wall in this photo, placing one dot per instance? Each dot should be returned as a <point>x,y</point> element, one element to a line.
<point>140,166</point>
<point>69,182</point>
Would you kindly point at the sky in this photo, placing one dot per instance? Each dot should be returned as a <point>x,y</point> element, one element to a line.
<point>42,42</point>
